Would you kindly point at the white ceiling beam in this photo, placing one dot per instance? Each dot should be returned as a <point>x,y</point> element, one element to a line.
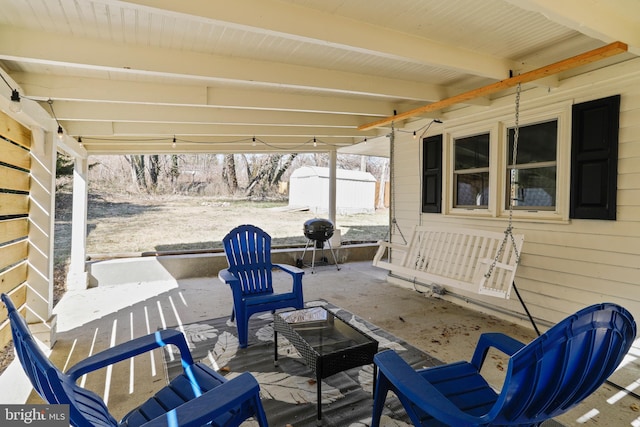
<point>59,87</point>
<point>163,130</point>
<point>94,111</point>
<point>49,48</point>
<point>314,26</point>
<point>43,87</point>
<point>606,20</point>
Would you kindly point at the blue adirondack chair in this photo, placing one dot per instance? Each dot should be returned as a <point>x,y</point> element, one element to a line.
<point>545,378</point>
<point>195,398</point>
<point>248,251</point>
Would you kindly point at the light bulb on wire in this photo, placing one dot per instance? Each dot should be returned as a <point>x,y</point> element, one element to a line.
<point>15,105</point>
<point>60,132</point>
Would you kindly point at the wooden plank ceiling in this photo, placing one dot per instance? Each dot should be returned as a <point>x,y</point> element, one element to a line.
<point>281,75</point>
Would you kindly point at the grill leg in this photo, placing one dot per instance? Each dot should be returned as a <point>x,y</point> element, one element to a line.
<point>304,253</point>
<point>313,258</point>
<point>333,253</point>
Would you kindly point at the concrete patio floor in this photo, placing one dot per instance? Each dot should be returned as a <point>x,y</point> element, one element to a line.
<point>91,320</point>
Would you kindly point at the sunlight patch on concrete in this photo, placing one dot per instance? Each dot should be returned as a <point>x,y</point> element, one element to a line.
<point>78,308</point>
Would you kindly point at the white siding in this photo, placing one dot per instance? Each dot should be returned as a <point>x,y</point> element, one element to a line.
<point>565,265</point>
<point>355,190</point>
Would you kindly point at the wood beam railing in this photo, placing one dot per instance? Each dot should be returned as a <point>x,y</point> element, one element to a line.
<point>557,67</point>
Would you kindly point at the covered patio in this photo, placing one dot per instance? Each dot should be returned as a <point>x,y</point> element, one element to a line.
<point>411,80</point>
<point>91,320</point>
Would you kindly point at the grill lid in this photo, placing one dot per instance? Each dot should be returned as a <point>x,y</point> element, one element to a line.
<point>318,229</point>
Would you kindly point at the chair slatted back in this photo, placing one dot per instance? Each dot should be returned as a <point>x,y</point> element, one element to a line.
<point>248,251</point>
<point>85,407</point>
<point>34,362</point>
<point>566,364</point>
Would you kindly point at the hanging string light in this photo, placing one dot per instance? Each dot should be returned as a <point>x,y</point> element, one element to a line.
<point>60,130</point>
<point>15,106</point>
<point>254,141</point>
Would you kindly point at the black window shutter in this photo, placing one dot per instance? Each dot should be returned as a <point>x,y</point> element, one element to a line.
<point>594,159</point>
<point>432,174</point>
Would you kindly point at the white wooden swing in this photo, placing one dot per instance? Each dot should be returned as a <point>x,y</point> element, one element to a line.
<point>474,260</point>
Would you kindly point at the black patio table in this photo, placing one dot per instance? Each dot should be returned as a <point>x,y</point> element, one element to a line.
<point>327,343</point>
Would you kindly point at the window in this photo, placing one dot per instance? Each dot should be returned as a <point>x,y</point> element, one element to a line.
<point>471,171</point>
<point>534,174</point>
<point>477,165</point>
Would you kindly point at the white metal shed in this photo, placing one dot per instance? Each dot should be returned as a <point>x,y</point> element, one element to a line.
<point>355,190</point>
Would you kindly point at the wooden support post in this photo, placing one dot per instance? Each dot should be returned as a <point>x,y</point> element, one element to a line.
<point>564,65</point>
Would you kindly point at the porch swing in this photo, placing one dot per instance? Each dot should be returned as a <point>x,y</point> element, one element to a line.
<point>477,261</point>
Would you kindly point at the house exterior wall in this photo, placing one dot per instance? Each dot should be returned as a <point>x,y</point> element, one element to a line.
<point>566,263</point>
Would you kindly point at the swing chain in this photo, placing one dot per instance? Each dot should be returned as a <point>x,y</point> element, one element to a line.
<point>508,232</point>
<point>394,221</point>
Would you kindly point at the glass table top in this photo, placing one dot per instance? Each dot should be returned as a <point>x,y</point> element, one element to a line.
<point>323,331</point>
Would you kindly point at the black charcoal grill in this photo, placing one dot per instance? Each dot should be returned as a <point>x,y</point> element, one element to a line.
<point>318,231</point>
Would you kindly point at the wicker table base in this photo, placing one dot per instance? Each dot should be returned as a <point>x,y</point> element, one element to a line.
<point>327,343</point>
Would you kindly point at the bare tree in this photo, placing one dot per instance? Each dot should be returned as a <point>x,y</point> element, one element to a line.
<point>229,173</point>
<point>154,170</point>
<point>137,170</point>
<point>174,171</point>
<point>268,173</point>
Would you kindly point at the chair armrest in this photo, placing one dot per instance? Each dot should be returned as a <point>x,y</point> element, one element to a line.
<point>396,246</point>
<point>502,342</point>
<point>225,276</point>
<point>294,271</point>
<point>234,283</point>
<point>384,246</point>
<point>133,348</point>
<point>408,383</point>
<point>296,274</point>
<point>210,405</point>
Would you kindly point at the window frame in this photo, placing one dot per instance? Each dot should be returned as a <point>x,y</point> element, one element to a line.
<point>497,128</point>
<point>491,128</point>
<point>457,173</point>
<point>530,165</point>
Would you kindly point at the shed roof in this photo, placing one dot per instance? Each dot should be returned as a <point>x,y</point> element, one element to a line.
<point>341,174</point>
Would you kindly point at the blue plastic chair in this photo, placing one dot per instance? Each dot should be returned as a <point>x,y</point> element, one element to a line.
<point>196,397</point>
<point>248,251</point>
<point>544,379</point>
